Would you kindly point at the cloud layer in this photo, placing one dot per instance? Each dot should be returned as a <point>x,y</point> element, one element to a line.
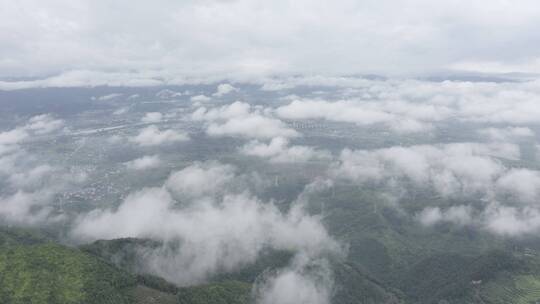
<point>278,150</point>
<point>153,136</point>
<point>218,230</point>
<point>465,171</point>
<point>240,37</point>
<point>241,119</point>
<point>28,194</point>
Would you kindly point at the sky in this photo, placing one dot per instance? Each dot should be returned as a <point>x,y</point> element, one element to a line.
<point>243,39</point>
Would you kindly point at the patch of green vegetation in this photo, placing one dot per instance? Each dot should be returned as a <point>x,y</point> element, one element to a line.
<point>157,283</point>
<point>511,289</point>
<point>528,287</point>
<point>51,273</point>
<point>35,270</point>
<point>143,294</point>
<point>452,278</point>
<point>354,286</point>
<point>19,236</point>
<point>123,253</point>
<point>228,292</point>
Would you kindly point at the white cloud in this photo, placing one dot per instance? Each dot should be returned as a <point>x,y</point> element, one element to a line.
<point>32,178</point>
<point>107,97</point>
<point>278,150</point>
<point>452,169</point>
<point>115,139</point>
<point>240,119</point>
<point>40,124</point>
<point>503,199</point>
<point>201,179</point>
<point>200,98</point>
<point>7,149</point>
<point>216,233</point>
<point>236,109</point>
<point>420,103</point>
<point>506,134</point>
<point>523,183</point>
<point>512,221</point>
<point>87,78</point>
<point>120,111</point>
<point>32,188</point>
<point>242,38</point>
<point>168,94</point>
<point>26,208</point>
<point>152,136</point>
<point>252,126</point>
<point>224,89</point>
<point>44,124</point>
<point>483,66</point>
<point>509,221</point>
<point>152,117</point>
<point>300,283</point>
<point>145,162</point>
<point>338,111</point>
<point>13,136</point>
<point>399,116</point>
<point>460,215</point>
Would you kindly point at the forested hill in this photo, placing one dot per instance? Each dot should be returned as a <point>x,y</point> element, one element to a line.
<point>36,269</point>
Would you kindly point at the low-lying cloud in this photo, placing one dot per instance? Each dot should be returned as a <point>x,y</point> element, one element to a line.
<point>243,120</point>
<point>152,117</point>
<point>304,282</point>
<point>153,136</point>
<point>28,193</point>
<point>278,150</point>
<point>224,89</point>
<point>365,113</point>
<point>451,169</point>
<point>145,162</point>
<point>217,232</point>
<point>469,171</point>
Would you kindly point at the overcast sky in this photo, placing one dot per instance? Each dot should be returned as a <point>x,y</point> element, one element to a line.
<point>251,37</point>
